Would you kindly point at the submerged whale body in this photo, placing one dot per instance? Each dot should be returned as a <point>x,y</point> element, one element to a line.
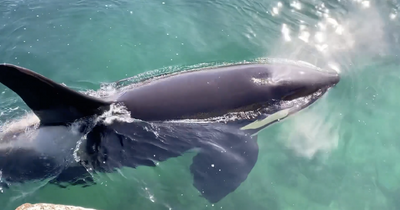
<point>217,111</point>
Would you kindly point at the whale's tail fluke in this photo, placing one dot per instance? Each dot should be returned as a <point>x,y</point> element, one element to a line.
<point>53,103</point>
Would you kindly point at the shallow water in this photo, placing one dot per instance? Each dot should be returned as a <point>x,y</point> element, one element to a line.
<point>341,153</point>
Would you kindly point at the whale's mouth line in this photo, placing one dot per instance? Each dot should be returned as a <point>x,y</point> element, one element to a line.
<point>298,104</point>
<point>292,106</point>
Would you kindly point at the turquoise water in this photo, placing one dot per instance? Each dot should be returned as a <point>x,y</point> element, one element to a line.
<point>341,153</point>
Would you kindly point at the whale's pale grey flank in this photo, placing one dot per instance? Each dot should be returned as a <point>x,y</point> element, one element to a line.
<point>249,96</point>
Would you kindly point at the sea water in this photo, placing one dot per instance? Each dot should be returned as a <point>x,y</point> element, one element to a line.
<point>339,154</point>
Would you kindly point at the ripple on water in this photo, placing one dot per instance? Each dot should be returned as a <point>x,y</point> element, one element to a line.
<point>338,140</point>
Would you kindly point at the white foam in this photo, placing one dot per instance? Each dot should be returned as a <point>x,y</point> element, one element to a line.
<point>117,112</point>
<point>22,124</point>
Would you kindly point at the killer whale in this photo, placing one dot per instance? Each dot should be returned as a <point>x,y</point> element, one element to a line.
<point>247,97</point>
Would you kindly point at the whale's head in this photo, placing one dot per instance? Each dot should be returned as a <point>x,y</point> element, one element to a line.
<point>293,82</point>
<point>281,82</point>
<point>282,90</point>
<point>303,85</point>
<point>288,87</point>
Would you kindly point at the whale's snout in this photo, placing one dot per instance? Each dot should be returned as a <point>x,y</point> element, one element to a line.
<point>325,79</point>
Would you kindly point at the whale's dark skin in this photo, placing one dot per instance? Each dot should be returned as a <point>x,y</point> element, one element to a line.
<point>226,151</point>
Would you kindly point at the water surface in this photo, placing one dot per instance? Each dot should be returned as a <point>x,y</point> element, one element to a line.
<point>341,153</point>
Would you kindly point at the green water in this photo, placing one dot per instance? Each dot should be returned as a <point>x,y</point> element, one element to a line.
<point>341,153</point>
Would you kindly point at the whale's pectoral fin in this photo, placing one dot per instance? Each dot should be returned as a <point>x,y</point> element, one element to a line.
<point>53,103</point>
<point>218,171</point>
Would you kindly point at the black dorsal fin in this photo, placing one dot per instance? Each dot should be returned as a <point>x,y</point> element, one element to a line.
<point>53,103</point>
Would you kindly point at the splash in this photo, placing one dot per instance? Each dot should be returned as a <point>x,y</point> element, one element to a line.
<point>22,124</point>
<point>312,132</point>
<point>313,136</point>
<point>356,34</point>
<point>117,112</point>
<point>332,40</point>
